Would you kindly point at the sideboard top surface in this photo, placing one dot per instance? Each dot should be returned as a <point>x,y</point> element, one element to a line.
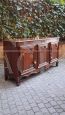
<point>47,39</point>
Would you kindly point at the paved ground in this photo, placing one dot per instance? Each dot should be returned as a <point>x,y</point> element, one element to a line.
<point>43,94</point>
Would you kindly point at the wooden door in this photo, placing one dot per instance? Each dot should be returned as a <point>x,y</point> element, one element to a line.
<point>28,59</point>
<point>54,52</point>
<point>43,55</point>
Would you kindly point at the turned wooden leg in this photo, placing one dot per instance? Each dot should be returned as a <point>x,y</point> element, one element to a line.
<point>57,63</point>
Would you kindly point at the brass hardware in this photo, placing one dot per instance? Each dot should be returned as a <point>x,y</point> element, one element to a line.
<point>51,57</point>
<point>35,62</point>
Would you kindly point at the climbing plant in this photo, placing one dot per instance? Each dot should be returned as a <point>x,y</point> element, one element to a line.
<point>27,19</point>
<point>8,19</point>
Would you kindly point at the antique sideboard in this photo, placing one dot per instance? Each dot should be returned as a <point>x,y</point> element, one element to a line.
<point>25,57</point>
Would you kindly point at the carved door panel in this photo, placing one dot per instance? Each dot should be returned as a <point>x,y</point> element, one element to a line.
<point>43,55</point>
<point>28,57</point>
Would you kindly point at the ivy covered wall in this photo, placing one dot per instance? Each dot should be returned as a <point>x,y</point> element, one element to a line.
<point>28,19</point>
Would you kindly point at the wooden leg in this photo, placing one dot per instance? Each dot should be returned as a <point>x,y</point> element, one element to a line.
<point>17,77</point>
<point>57,63</point>
<point>6,73</point>
<point>18,81</point>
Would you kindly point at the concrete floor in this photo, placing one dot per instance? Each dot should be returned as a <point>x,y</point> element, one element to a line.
<point>43,94</point>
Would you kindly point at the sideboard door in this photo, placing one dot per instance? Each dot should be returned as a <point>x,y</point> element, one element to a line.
<point>43,55</point>
<point>28,60</point>
<point>54,53</point>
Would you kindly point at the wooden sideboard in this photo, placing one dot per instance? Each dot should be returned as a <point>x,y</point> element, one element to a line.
<point>26,57</point>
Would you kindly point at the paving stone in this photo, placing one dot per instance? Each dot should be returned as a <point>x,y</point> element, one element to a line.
<point>48,105</point>
<point>4,102</point>
<point>18,103</point>
<point>56,98</point>
<point>1,113</point>
<point>16,113</point>
<point>33,104</point>
<point>30,112</point>
<point>57,107</point>
<point>41,105</point>
<point>27,107</point>
<point>22,112</point>
<point>38,101</point>
<point>53,103</point>
<point>39,113</point>
<point>31,101</point>
<point>44,110</point>
<point>0,104</point>
<point>13,110</point>
<point>55,114</point>
<point>6,111</point>
<point>62,98</point>
<point>59,110</point>
<point>36,109</point>
<point>13,106</point>
<point>45,101</point>
<point>63,106</point>
<point>1,109</point>
<point>4,106</point>
<point>59,102</point>
<point>49,99</point>
<point>63,113</point>
<point>20,108</point>
<point>51,110</point>
<point>41,95</point>
<point>63,101</point>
